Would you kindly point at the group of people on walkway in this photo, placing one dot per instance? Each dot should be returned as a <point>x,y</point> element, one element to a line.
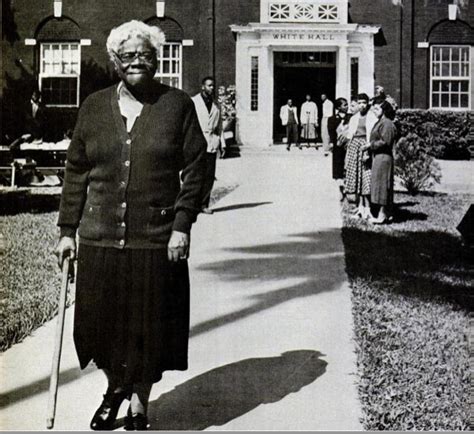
<point>305,126</point>
<point>362,138</point>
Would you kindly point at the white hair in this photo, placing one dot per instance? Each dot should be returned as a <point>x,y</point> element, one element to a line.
<point>139,29</point>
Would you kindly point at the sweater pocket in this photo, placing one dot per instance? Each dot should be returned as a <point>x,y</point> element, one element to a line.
<point>90,227</point>
<point>160,223</point>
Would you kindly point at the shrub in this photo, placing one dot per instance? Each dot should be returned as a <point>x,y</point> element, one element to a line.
<point>414,166</point>
<point>444,132</point>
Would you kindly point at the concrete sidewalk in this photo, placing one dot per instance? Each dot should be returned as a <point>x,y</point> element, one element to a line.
<point>271,328</point>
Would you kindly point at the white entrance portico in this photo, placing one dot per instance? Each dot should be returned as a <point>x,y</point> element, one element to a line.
<point>295,26</point>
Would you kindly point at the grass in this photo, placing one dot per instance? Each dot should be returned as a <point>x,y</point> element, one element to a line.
<point>412,294</point>
<point>30,276</point>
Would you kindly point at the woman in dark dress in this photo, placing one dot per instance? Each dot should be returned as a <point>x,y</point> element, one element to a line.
<point>382,140</point>
<point>337,126</point>
<point>122,193</point>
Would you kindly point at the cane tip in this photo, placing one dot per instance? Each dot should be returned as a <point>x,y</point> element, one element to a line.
<point>49,423</point>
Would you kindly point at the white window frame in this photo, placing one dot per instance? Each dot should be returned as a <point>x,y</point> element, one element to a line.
<point>450,78</point>
<point>169,75</point>
<point>42,74</point>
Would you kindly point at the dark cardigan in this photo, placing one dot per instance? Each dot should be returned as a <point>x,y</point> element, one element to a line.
<point>123,190</point>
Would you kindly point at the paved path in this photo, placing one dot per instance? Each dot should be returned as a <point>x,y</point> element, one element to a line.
<point>271,322</point>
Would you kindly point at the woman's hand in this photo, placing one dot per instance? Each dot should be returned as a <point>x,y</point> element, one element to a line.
<point>178,246</point>
<point>365,147</point>
<point>66,248</point>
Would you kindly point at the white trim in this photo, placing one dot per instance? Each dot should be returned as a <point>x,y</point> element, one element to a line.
<point>188,42</point>
<point>423,44</point>
<point>30,41</point>
<point>160,9</point>
<point>58,8</point>
<point>452,12</point>
<point>85,42</point>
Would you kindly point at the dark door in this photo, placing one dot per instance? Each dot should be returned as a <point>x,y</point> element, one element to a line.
<point>296,79</point>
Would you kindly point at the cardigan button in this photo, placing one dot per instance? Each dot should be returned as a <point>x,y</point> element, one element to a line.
<point>128,142</point>
<point>127,163</point>
<point>122,242</point>
<point>124,204</point>
<point>163,212</point>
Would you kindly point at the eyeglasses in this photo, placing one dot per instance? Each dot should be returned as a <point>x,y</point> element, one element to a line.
<point>146,56</point>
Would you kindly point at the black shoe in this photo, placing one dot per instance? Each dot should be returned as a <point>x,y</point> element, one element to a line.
<point>287,148</point>
<point>105,415</point>
<point>139,422</point>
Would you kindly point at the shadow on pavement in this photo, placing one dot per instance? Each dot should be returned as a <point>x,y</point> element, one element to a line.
<point>239,206</point>
<point>316,258</point>
<point>227,392</point>
<point>42,385</point>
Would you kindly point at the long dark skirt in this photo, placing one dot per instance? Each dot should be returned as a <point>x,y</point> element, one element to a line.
<point>131,312</point>
<point>338,157</point>
<point>381,188</point>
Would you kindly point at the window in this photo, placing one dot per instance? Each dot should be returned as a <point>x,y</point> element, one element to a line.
<point>450,77</point>
<point>254,84</point>
<point>169,64</point>
<point>60,65</point>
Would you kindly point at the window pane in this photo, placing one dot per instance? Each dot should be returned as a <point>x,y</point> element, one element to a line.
<point>166,51</point>
<point>455,69</point>
<point>455,86</point>
<point>465,70</point>
<point>59,90</point>
<point>445,53</point>
<point>464,100</point>
<point>455,54</point>
<point>454,100</point>
<point>436,86</point>
<point>166,67</point>
<point>435,100</point>
<point>445,69</point>
<point>464,86</point>
<point>436,53</point>
<point>175,51</point>
<point>444,86</point>
<point>465,54</point>
<point>436,70</point>
<point>444,100</point>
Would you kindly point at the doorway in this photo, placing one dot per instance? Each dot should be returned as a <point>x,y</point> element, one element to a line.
<point>297,74</point>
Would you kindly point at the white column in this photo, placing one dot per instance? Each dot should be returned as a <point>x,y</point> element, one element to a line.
<point>366,66</point>
<point>242,100</point>
<point>343,76</point>
<point>265,95</point>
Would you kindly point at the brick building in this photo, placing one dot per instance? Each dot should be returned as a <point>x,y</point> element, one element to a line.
<point>421,52</point>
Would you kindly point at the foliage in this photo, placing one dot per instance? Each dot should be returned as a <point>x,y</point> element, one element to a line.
<point>226,100</point>
<point>416,169</point>
<point>412,294</point>
<point>444,132</point>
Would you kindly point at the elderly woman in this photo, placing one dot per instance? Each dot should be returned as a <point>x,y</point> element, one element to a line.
<point>357,180</point>
<point>132,144</point>
<point>382,139</point>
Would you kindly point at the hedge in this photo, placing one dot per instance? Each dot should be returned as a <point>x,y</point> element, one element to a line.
<point>444,132</point>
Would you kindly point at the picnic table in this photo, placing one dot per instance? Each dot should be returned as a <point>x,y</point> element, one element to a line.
<point>36,155</point>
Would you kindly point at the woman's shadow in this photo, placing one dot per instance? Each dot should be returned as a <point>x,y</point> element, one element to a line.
<point>227,392</point>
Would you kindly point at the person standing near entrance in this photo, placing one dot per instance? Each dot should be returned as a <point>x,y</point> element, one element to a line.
<point>309,120</point>
<point>358,165</point>
<point>289,119</point>
<point>209,116</point>
<point>328,111</point>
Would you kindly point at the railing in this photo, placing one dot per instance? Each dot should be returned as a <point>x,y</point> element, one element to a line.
<point>301,11</point>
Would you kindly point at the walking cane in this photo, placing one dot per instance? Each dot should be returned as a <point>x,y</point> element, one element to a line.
<point>53,385</point>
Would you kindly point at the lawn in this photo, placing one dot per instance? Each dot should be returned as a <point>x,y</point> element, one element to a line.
<point>412,292</point>
<point>30,276</point>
